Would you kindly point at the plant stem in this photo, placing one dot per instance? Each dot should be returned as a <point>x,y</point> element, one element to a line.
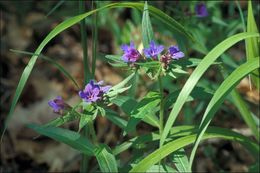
<point>87,75</point>
<point>92,132</point>
<point>161,115</point>
<point>94,38</point>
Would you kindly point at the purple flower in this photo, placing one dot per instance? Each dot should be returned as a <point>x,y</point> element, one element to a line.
<point>93,92</point>
<point>130,53</point>
<point>57,104</point>
<point>201,10</point>
<point>153,51</point>
<point>175,52</point>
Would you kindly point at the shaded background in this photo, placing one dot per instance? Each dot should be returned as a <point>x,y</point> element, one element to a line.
<point>24,24</point>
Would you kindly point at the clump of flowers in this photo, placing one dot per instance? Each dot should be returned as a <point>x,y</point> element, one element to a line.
<point>153,51</point>
<point>93,92</point>
<point>131,54</point>
<point>201,10</point>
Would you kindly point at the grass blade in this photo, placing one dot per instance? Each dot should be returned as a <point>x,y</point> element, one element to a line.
<point>252,44</point>
<point>196,75</point>
<point>179,143</point>
<point>229,83</point>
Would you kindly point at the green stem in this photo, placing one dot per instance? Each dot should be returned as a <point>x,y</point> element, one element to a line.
<point>94,38</point>
<point>92,132</point>
<point>161,115</point>
<point>83,31</point>
<point>87,75</point>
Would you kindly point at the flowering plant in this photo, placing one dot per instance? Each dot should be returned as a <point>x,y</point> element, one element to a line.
<point>164,148</point>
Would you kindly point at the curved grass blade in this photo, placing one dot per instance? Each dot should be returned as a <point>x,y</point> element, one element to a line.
<point>53,62</point>
<point>70,22</point>
<point>229,83</point>
<point>252,44</point>
<point>176,132</point>
<point>196,75</point>
<point>179,143</point>
<point>73,139</point>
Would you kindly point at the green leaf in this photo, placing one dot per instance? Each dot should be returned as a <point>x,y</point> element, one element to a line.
<point>121,84</point>
<point>229,83</point>
<point>160,168</point>
<point>170,22</point>
<point>252,44</point>
<point>115,58</point>
<point>84,120</point>
<point>65,136</point>
<point>196,75</point>
<point>114,117</point>
<point>127,104</point>
<point>143,109</point>
<point>106,160</point>
<point>190,62</point>
<point>70,116</point>
<point>179,143</point>
<point>147,30</point>
<point>180,159</point>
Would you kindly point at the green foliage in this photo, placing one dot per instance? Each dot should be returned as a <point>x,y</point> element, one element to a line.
<point>229,83</point>
<point>181,160</point>
<point>70,22</point>
<point>196,75</point>
<point>106,159</point>
<point>145,108</point>
<point>154,107</point>
<point>181,142</point>
<point>252,44</point>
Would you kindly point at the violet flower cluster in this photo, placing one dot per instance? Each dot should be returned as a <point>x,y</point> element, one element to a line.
<point>131,54</point>
<point>92,93</point>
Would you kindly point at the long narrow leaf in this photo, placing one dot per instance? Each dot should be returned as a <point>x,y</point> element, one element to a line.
<point>175,145</point>
<point>252,44</point>
<point>229,83</point>
<point>176,132</point>
<point>68,137</point>
<point>196,75</point>
<point>106,159</point>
